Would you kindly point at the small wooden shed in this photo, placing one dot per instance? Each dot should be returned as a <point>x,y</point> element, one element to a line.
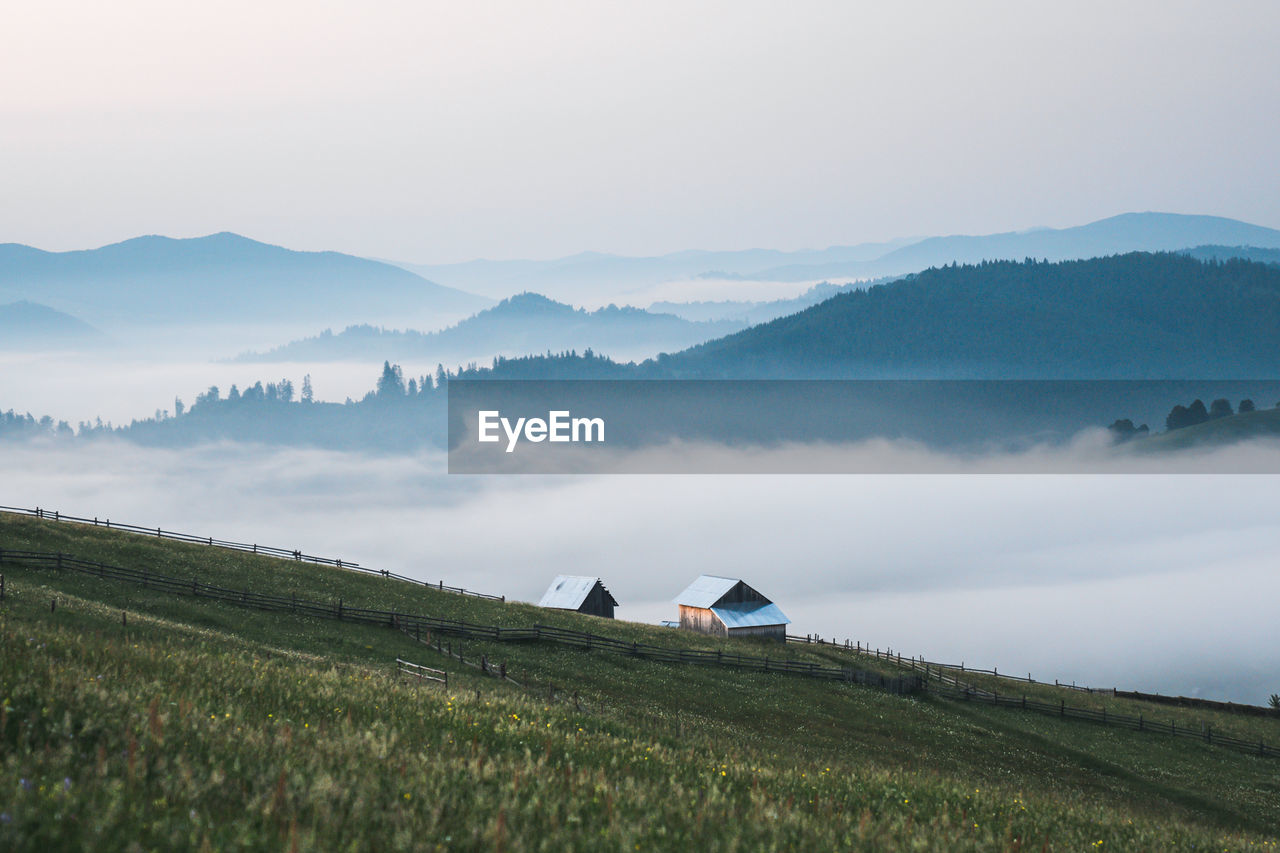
<point>728,607</point>
<point>582,594</point>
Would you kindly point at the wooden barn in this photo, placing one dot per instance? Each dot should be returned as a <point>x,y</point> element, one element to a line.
<point>583,594</point>
<point>727,607</point>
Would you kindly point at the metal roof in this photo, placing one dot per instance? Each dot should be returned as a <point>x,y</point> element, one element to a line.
<point>750,615</point>
<point>567,592</point>
<point>705,591</point>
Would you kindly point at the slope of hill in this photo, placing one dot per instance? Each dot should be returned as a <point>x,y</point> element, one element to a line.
<point>1243,426</point>
<point>219,278</point>
<point>1131,316</point>
<point>27,326</point>
<point>522,324</point>
<point>193,721</point>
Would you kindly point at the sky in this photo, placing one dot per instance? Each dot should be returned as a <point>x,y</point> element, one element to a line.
<point>435,132</point>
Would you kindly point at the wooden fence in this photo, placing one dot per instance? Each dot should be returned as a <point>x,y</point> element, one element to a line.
<point>251,548</point>
<point>407,671</point>
<point>917,662</point>
<point>905,684</point>
<point>419,624</point>
<point>946,673</point>
<point>1137,723</point>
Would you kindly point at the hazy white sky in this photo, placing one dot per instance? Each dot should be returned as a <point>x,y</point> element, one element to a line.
<point>442,131</point>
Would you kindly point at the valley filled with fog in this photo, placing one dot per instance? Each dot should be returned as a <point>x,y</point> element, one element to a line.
<point>1157,583</point>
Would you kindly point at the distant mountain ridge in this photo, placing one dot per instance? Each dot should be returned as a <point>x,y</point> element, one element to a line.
<point>219,278</point>
<point>577,277</point>
<point>592,276</point>
<point>519,325</point>
<point>1128,232</point>
<point>27,325</point>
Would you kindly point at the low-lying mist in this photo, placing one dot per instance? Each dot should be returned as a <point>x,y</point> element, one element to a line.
<point>1159,583</point>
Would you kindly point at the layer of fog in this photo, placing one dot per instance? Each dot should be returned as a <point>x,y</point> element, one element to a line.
<point>1090,451</point>
<point>1161,583</point>
<point>708,289</point>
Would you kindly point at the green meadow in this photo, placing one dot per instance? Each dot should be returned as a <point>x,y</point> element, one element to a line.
<point>193,724</point>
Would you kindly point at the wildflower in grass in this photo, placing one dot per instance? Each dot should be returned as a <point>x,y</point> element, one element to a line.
<point>5,818</point>
<point>66,783</point>
<point>25,783</point>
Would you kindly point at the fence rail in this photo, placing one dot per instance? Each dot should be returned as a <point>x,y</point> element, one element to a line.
<point>250,548</point>
<point>914,683</point>
<point>1137,723</point>
<point>939,670</point>
<point>406,670</point>
<point>418,624</point>
<point>888,654</point>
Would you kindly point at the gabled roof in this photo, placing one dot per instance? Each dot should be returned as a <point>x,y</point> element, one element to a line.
<point>750,614</point>
<point>706,591</point>
<point>567,592</point>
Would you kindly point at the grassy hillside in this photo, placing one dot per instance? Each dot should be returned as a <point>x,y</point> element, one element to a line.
<point>1261,424</point>
<point>204,725</point>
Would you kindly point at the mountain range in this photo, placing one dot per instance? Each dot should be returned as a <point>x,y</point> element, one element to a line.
<point>592,277</point>
<point>521,324</point>
<point>222,278</point>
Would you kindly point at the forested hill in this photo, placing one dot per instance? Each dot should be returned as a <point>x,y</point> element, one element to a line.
<point>521,324</point>
<point>1137,315</point>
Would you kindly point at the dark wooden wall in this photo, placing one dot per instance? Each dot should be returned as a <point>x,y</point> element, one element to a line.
<point>597,603</point>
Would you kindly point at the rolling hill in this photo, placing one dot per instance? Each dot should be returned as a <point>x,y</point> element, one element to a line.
<point>1263,424</point>
<point>522,324</point>
<point>138,711</point>
<point>27,325</point>
<point>221,278</point>
<point>1126,317</point>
